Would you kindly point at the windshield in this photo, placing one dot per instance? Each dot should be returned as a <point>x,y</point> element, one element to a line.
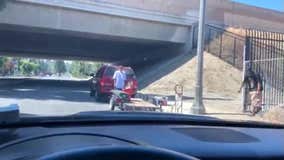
<point>63,58</point>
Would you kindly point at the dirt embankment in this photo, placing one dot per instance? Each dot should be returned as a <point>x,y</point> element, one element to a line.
<point>275,115</point>
<point>238,31</point>
<point>219,77</point>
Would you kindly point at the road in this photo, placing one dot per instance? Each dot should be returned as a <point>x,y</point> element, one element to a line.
<point>49,99</point>
<point>57,98</point>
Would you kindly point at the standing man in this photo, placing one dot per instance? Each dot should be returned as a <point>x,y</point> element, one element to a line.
<point>119,78</point>
<point>254,83</point>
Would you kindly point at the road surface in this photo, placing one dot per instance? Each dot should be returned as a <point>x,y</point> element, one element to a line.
<point>50,99</point>
<point>57,98</point>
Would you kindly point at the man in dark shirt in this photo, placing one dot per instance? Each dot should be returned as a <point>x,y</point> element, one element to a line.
<point>254,83</point>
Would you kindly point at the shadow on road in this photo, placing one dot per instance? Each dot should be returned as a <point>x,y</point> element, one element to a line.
<point>235,114</point>
<point>172,97</point>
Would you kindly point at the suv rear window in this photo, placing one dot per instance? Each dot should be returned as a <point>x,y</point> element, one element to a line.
<point>100,72</point>
<point>109,71</point>
<point>129,73</point>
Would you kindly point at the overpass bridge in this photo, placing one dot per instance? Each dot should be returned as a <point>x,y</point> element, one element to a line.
<point>91,30</point>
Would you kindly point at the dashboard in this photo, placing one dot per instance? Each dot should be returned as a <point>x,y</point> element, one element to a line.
<point>204,142</point>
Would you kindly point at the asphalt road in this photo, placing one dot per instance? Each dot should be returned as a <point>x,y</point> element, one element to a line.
<point>49,99</point>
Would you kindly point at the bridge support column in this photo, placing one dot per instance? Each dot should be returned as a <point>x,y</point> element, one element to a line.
<point>188,46</point>
<point>2,4</point>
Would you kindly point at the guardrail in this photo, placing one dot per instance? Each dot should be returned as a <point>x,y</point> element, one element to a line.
<point>48,82</point>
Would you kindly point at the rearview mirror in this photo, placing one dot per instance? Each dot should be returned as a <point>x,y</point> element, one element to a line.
<point>92,74</point>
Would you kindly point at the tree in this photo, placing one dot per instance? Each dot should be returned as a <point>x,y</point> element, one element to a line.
<point>60,67</point>
<point>43,66</point>
<point>81,69</point>
<point>75,69</point>
<point>28,68</point>
<point>7,65</point>
<point>3,61</point>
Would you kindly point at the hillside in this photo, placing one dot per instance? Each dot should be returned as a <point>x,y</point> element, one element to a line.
<point>219,77</point>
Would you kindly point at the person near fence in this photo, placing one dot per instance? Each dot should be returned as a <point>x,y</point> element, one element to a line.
<point>254,83</point>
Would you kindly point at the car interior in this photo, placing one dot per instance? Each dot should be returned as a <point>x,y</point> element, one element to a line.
<point>122,135</point>
<point>141,80</point>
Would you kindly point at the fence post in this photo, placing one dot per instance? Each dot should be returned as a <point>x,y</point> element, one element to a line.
<point>234,57</point>
<point>282,88</point>
<point>209,39</point>
<point>244,97</point>
<point>221,44</point>
<point>246,51</point>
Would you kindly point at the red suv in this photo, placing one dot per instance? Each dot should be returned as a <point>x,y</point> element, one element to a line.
<point>101,84</point>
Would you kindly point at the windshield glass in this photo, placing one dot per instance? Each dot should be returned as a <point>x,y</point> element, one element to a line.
<point>64,61</point>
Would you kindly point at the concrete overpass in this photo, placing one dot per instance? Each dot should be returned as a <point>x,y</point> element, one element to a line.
<point>91,30</point>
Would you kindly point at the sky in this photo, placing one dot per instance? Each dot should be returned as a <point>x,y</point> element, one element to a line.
<point>277,5</point>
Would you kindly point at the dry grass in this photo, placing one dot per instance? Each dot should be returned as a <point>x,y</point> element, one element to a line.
<point>275,115</point>
<point>238,31</point>
<point>219,77</point>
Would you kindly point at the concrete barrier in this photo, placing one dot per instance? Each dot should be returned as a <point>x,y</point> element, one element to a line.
<point>9,82</point>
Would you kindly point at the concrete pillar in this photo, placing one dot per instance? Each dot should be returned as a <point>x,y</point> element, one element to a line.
<point>2,4</point>
<point>188,46</point>
<point>190,41</point>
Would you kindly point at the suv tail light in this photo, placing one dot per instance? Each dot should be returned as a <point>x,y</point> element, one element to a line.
<point>135,84</point>
<point>131,84</point>
<point>106,82</point>
<point>102,83</point>
<point>128,84</point>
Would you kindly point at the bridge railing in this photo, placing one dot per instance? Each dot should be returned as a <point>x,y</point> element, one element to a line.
<point>226,45</point>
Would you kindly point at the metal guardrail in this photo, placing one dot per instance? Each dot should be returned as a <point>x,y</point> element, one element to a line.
<point>4,82</point>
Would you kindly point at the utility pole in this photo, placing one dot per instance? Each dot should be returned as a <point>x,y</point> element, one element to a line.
<point>198,107</point>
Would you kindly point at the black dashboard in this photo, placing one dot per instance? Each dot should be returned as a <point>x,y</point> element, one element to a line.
<point>201,141</point>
